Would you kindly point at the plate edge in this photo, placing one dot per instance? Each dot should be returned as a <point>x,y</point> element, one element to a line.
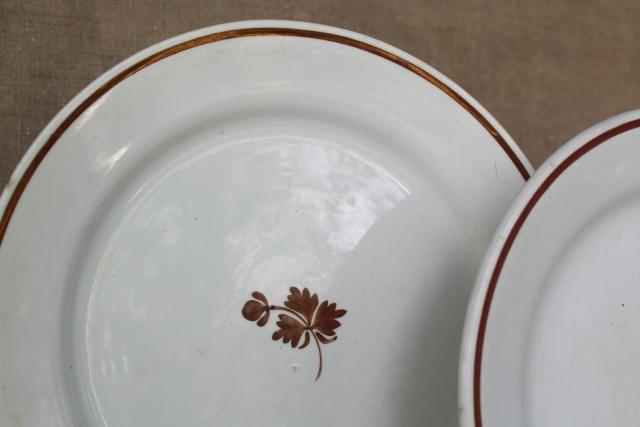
<point>38,150</point>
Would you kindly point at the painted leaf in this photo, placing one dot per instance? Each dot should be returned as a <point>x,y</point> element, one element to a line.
<point>326,318</point>
<point>325,340</point>
<point>290,330</point>
<point>302,302</point>
<point>307,338</point>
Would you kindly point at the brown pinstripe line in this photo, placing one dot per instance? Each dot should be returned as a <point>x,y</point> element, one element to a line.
<point>246,32</point>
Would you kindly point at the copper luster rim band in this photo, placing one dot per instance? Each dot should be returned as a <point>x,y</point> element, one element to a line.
<point>225,35</point>
<point>513,233</point>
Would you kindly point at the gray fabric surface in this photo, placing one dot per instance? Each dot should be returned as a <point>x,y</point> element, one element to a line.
<point>545,69</point>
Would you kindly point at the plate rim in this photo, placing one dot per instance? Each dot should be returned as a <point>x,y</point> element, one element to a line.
<point>475,325</point>
<point>57,126</point>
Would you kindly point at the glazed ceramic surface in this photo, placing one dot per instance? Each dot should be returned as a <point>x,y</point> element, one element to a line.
<point>552,331</point>
<point>263,223</point>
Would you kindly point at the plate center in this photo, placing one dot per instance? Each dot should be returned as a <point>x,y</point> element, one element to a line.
<point>584,346</point>
<point>196,233</point>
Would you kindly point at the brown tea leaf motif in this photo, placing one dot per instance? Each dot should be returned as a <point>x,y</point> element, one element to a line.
<point>308,321</point>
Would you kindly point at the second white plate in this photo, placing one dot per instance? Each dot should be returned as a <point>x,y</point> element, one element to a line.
<point>552,331</point>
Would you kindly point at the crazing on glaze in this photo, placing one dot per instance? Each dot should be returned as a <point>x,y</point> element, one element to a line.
<point>311,319</point>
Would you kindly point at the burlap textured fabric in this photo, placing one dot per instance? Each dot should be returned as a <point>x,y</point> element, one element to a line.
<point>545,69</point>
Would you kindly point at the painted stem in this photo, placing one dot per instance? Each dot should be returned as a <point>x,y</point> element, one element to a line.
<point>288,310</point>
<point>276,307</point>
<point>319,355</point>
